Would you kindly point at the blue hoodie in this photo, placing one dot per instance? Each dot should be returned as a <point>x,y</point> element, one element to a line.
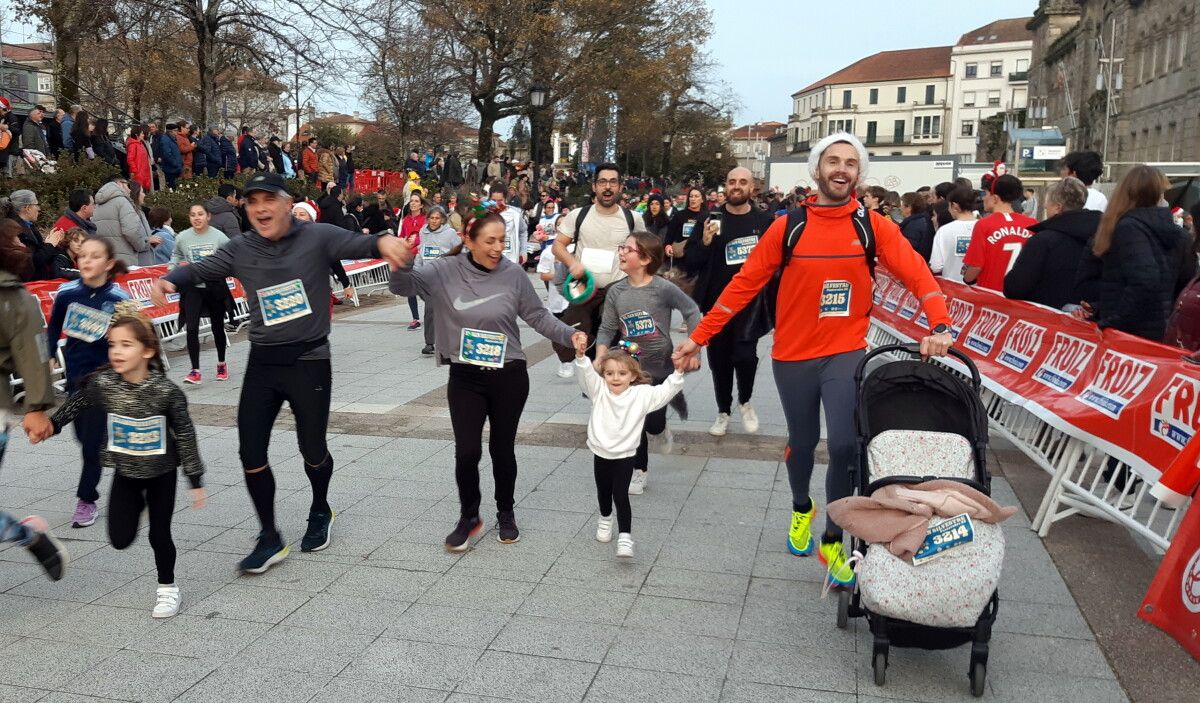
<point>83,313</point>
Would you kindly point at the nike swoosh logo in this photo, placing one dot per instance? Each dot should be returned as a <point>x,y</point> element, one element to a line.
<point>459,304</point>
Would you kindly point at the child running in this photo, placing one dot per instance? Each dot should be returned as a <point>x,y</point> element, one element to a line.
<point>82,310</point>
<point>191,245</point>
<point>149,434</point>
<point>638,309</point>
<point>621,398</point>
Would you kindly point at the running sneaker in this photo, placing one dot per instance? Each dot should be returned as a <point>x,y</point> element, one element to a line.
<point>833,556</point>
<point>48,551</point>
<point>427,350</point>
<point>720,426</point>
<point>749,418</point>
<point>85,514</point>
<point>800,540</point>
<point>637,484</point>
<point>625,545</point>
<point>604,529</point>
<point>193,377</point>
<point>222,371</point>
<point>267,553</point>
<point>508,532</point>
<point>467,527</point>
<point>566,370</point>
<point>414,325</point>
<point>319,531</point>
<point>166,602</point>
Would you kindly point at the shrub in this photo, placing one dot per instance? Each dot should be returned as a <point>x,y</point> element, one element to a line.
<point>53,189</point>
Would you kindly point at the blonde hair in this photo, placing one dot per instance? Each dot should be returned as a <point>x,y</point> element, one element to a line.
<point>631,364</point>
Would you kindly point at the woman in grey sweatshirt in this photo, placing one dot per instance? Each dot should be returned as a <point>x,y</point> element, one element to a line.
<point>436,240</point>
<point>478,296</point>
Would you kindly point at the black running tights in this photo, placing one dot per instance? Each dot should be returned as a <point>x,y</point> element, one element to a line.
<point>498,396</point>
<point>208,301</point>
<point>612,486</point>
<point>126,500</point>
<point>727,357</point>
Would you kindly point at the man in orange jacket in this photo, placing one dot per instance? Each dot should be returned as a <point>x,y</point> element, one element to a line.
<point>825,299</point>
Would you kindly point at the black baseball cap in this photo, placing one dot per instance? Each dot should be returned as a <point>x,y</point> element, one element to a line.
<point>268,183</point>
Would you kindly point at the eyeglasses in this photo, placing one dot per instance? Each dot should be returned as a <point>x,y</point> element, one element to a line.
<point>624,248</point>
<point>608,182</point>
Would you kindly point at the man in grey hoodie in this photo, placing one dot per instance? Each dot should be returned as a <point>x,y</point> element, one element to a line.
<point>223,207</point>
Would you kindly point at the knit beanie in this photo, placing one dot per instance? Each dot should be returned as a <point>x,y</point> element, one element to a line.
<point>814,156</point>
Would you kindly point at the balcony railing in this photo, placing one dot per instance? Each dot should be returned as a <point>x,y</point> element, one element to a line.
<point>1018,77</point>
<point>888,141</point>
<point>799,147</point>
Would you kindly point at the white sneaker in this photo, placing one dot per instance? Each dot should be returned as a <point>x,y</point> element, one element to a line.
<point>566,370</point>
<point>604,529</point>
<point>637,484</point>
<point>721,425</point>
<point>166,604</point>
<point>749,418</point>
<point>625,545</point>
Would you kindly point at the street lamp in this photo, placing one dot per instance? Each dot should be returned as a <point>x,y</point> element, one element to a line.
<point>666,159</point>
<point>537,99</point>
<point>537,95</point>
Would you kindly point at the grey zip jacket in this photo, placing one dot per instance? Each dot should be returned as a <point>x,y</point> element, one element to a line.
<point>466,295</point>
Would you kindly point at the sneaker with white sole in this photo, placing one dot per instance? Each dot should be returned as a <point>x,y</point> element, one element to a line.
<point>720,426</point>
<point>749,418</point>
<point>166,602</point>
<point>85,513</point>
<point>637,484</point>
<point>625,545</point>
<point>566,370</point>
<point>604,529</point>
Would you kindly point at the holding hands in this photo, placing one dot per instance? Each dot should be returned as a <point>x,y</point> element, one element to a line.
<point>38,427</point>
<point>580,341</point>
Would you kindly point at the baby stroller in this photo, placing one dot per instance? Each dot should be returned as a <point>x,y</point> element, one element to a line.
<point>918,421</point>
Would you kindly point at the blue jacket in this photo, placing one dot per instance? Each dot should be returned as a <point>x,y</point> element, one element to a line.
<point>67,125</point>
<point>162,252</point>
<point>210,146</point>
<point>229,155</point>
<point>248,158</point>
<point>167,151</point>
<point>86,347</point>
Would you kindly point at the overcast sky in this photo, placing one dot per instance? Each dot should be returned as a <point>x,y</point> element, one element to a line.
<point>771,48</point>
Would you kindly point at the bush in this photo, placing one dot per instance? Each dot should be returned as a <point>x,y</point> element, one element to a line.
<point>53,189</point>
<point>199,189</point>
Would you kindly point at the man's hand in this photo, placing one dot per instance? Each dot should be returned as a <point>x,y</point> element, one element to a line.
<point>348,292</point>
<point>155,240</point>
<point>936,345</point>
<point>37,426</point>
<point>688,350</point>
<point>396,251</point>
<point>159,291</point>
<point>670,250</point>
<point>710,231</point>
<point>579,340</point>
<point>1084,312</point>
<point>577,271</point>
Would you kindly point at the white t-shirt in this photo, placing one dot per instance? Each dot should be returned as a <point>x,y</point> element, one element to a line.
<point>949,247</point>
<point>1095,201</point>
<point>516,233</point>
<point>596,246</point>
<point>555,302</point>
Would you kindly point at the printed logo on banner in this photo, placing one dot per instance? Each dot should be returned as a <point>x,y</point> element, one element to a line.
<point>1173,414</point>
<point>908,309</point>
<point>230,283</point>
<point>1065,363</point>
<point>985,331</point>
<point>960,315</point>
<point>878,290</point>
<point>1022,342</point>
<point>1117,382</point>
<point>139,289</point>
<point>891,299</point>
<point>1189,591</point>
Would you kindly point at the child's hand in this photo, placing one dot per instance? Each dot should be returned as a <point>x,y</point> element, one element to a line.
<point>199,498</point>
<point>685,364</point>
<point>579,339</point>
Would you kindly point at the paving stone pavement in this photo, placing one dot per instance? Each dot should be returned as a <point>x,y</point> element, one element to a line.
<point>711,608</point>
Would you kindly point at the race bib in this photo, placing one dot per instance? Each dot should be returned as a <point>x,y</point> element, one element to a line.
<point>687,229</point>
<point>137,436</point>
<point>598,260</point>
<point>960,245</point>
<point>86,324</point>
<point>283,303</point>
<point>945,536</point>
<point>638,323</point>
<point>738,250</point>
<point>835,299</point>
<point>200,251</point>
<point>482,348</point>
<point>430,252</point>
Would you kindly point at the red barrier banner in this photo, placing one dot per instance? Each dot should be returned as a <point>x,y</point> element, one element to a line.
<point>356,265</point>
<point>1137,400</point>
<point>1173,601</point>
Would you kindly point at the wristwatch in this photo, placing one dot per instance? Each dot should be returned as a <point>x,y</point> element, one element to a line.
<point>941,329</point>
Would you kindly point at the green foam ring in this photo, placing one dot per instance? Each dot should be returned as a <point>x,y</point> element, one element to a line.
<point>570,288</point>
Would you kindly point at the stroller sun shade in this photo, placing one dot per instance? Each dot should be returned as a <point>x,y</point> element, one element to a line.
<point>912,395</point>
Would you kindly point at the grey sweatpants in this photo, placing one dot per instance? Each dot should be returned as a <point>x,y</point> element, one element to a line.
<point>804,386</point>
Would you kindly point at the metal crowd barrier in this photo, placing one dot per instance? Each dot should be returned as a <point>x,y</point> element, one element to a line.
<point>1084,479</point>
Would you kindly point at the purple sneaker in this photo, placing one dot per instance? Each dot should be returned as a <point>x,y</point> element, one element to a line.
<point>85,514</point>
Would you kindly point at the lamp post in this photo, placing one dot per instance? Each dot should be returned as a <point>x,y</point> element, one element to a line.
<point>666,160</point>
<point>537,99</point>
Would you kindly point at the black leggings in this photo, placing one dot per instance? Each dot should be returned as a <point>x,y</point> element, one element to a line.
<point>612,486</point>
<point>656,423</point>
<point>126,500</point>
<point>210,302</point>
<point>727,356</point>
<point>498,396</point>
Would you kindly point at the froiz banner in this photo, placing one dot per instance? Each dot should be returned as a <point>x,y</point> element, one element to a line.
<point>1136,399</point>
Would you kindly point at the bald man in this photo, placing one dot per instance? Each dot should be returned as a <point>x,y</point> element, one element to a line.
<point>730,234</point>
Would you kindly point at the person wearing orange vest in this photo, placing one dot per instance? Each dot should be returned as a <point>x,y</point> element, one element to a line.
<point>825,300</point>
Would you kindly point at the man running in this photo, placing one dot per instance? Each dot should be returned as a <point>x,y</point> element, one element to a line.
<point>824,304</point>
<point>285,263</point>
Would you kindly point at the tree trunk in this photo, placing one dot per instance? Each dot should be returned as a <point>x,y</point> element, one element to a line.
<point>487,121</point>
<point>206,67</point>
<point>66,48</point>
<point>541,127</point>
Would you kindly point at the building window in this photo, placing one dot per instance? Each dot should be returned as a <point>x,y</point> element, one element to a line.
<point>841,126</point>
<point>45,83</point>
<point>969,99</point>
<point>846,99</point>
<point>901,95</point>
<point>968,128</point>
<point>927,127</point>
<point>874,96</point>
<point>1182,48</point>
<point>897,153</point>
<point>872,132</point>
<point>925,153</point>
<point>930,91</point>
<point>997,69</point>
<point>1167,54</point>
<point>993,98</point>
<point>898,131</point>
<point>1022,65</point>
<point>972,70</point>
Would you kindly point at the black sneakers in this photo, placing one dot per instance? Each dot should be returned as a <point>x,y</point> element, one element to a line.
<point>268,552</point>
<point>508,532</point>
<point>427,350</point>
<point>319,530</point>
<point>50,554</point>
<point>466,528</point>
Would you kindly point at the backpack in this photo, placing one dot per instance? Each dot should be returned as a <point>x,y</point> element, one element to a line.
<point>560,269</point>
<point>796,220</point>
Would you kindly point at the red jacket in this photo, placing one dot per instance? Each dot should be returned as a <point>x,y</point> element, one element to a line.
<point>411,226</point>
<point>309,161</point>
<point>139,162</point>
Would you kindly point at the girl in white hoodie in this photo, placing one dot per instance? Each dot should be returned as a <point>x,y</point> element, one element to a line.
<point>621,399</point>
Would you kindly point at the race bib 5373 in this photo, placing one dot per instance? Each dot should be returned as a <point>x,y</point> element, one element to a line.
<point>738,250</point>
<point>638,323</point>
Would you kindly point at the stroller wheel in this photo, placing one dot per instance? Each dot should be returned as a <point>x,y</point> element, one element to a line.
<point>843,614</point>
<point>978,678</point>
<point>879,664</point>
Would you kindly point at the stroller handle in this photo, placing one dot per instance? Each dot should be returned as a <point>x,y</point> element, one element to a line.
<point>915,350</point>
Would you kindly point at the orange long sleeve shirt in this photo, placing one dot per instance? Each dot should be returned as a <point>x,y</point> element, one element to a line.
<point>825,293</point>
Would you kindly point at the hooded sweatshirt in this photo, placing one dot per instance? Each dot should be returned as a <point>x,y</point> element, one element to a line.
<point>434,244</point>
<point>1046,268</point>
<point>486,303</point>
<point>223,216</point>
<point>827,261</point>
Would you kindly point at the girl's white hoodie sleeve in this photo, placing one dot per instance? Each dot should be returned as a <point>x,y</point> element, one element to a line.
<point>589,380</point>
<point>658,396</point>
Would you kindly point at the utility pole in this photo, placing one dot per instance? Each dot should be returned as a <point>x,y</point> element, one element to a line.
<point>1109,79</point>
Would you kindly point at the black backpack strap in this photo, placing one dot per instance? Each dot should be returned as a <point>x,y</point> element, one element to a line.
<point>583,212</point>
<point>866,236</point>
<point>796,220</point>
<point>628,217</point>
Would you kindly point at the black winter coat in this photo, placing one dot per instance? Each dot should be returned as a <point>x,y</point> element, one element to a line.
<point>454,171</point>
<point>918,230</point>
<point>1046,269</point>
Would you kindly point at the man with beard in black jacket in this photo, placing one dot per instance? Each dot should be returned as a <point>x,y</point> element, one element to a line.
<point>1045,270</point>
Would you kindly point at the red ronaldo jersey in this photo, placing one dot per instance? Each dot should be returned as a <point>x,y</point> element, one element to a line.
<point>996,241</point>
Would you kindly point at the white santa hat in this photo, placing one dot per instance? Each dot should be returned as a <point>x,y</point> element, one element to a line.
<point>814,156</point>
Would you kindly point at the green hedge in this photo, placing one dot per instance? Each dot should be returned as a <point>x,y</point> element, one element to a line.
<point>191,190</point>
